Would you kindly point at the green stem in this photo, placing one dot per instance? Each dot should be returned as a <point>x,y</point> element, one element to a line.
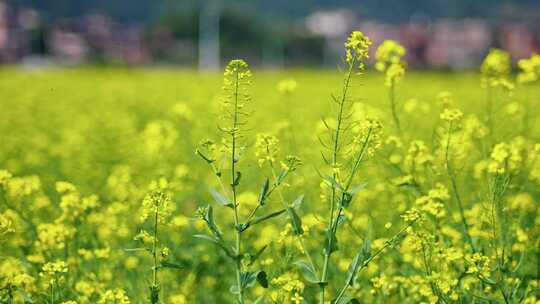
<point>52,293</point>
<point>154,248</point>
<point>349,182</point>
<point>335,149</point>
<point>285,206</point>
<point>451,175</point>
<point>490,100</point>
<point>526,114</point>
<point>233,186</point>
<point>494,226</point>
<point>538,268</point>
<point>505,297</point>
<point>308,256</point>
<point>392,93</point>
<point>372,257</point>
<point>154,296</point>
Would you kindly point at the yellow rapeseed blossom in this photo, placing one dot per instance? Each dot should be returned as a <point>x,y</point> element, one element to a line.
<point>495,69</point>
<point>287,86</point>
<point>157,202</point>
<point>5,176</point>
<point>451,115</point>
<point>389,57</point>
<point>6,225</point>
<point>54,272</point>
<point>114,296</point>
<point>266,148</point>
<point>356,49</point>
<point>529,69</point>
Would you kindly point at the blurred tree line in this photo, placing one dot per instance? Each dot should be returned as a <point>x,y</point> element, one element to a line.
<point>387,11</point>
<point>260,31</point>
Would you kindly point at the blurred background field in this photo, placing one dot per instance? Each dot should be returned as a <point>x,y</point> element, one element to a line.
<point>113,131</point>
<point>88,119</point>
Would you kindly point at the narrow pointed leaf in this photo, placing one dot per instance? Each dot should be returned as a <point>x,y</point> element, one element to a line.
<point>204,157</point>
<point>237,178</point>
<point>330,246</point>
<point>332,182</point>
<point>307,271</point>
<point>341,219</point>
<point>346,300</point>
<point>209,219</point>
<point>171,265</point>
<point>248,279</point>
<point>296,222</point>
<point>257,255</point>
<point>220,199</point>
<point>298,202</point>
<point>361,257</point>
<point>346,200</point>
<point>281,177</point>
<point>264,192</point>
<point>217,242</point>
<point>265,217</point>
<point>358,188</point>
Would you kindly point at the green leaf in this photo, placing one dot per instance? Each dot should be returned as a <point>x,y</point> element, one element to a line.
<point>333,246</point>
<point>248,279</point>
<point>281,177</point>
<point>170,265</point>
<point>220,198</point>
<point>204,157</point>
<point>217,242</point>
<point>358,188</point>
<point>298,202</point>
<point>264,192</point>
<point>341,219</point>
<point>346,300</point>
<point>209,219</point>
<point>237,179</point>
<point>136,249</point>
<point>307,271</point>
<point>330,180</point>
<point>262,219</point>
<point>348,196</point>
<point>262,279</point>
<point>205,237</point>
<point>295,221</point>
<point>234,289</point>
<point>487,280</point>
<point>361,257</point>
<point>346,200</point>
<point>256,256</point>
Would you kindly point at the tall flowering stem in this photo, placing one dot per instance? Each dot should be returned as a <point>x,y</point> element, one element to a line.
<point>529,76</point>
<point>157,207</point>
<point>494,77</point>
<point>356,47</point>
<point>389,56</point>
<point>236,74</point>
<point>452,116</point>
<point>236,80</point>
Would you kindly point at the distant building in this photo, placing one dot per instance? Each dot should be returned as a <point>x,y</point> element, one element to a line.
<point>334,26</point>
<point>68,45</point>
<point>458,44</point>
<point>518,40</point>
